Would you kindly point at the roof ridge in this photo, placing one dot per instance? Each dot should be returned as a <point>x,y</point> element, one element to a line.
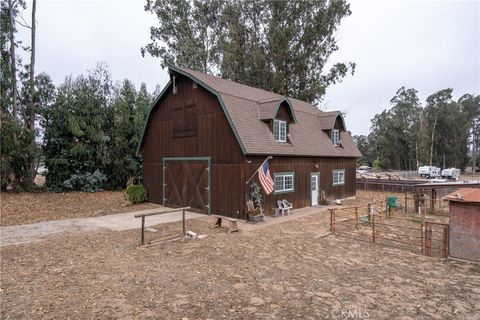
<point>235,83</point>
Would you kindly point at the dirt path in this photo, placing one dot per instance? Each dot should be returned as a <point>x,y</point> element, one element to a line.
<point>286,271</point>
<point>117,222</point>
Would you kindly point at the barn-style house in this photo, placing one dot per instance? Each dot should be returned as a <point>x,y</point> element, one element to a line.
<point>205,136</point>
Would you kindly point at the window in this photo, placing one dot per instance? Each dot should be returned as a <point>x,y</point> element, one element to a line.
<point>338,177</point>
<point>284,182</point>
<point>335,137</point>
<point>280,130</point>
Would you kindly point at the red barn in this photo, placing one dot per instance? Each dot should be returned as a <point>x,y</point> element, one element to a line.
<point>205,136</point>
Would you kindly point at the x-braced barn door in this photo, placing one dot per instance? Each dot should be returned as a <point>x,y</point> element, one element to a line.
<point>186,183</point>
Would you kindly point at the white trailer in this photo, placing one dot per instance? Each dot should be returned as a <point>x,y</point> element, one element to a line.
<point>429,172</point>
<point>451,173</point>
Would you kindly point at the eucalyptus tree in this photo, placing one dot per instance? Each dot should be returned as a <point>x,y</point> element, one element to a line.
<point>280,46</point>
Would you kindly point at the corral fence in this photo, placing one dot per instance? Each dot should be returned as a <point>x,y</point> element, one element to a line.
<point>387,185</point>
<point>415,203</point>
<point>378,224</point>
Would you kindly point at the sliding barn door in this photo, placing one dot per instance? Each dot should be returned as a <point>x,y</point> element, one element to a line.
<point>186,183</point>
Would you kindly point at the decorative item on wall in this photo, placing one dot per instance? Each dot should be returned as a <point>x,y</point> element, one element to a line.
<point>256,195</point>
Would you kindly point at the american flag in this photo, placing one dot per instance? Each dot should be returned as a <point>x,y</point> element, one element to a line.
<point>265,178</point>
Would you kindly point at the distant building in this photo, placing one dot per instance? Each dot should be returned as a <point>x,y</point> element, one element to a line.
<point>464,230</point>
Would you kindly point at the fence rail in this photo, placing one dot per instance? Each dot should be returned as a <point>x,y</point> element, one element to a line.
<point>387,185</point>
<point>380,226</point>
<point>144,215</point>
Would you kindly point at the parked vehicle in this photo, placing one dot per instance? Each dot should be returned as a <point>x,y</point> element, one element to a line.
<point>451,173</point>
<point>363,169</point>
<point>429,171</point>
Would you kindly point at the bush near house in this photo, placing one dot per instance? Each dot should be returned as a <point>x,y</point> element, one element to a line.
<point>136,193</point>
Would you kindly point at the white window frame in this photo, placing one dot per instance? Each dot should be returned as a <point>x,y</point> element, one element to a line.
<point>338,177</point>
<point>336,137</point>
<point>283,176</point>
<point>280,130</point>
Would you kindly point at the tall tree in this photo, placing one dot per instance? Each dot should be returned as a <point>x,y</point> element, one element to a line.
<point>16,139</point>
<point>365,149</point>
<point>92,130</point>
<point>448,128</point>
<point>12,13</point>
<point>75,135</point>
<point>470,104</point>
<point>33,27</point>
<point>280,46</point>
<point>395,132</point>
<point>187,33</point>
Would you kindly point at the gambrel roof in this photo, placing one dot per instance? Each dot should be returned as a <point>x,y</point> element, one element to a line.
<point>246,107</point>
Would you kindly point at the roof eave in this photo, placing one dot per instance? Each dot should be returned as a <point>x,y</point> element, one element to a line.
<point>154,103</point>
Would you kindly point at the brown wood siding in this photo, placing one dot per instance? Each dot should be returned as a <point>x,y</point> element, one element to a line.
<point>283,113</point>
<point>339,124</point>
<point>211,136</point>
<point>303,167</point>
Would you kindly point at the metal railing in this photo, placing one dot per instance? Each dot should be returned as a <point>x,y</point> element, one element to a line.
<point>384,226</point>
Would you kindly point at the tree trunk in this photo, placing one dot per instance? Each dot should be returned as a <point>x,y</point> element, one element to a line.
<point>474,150</point>
<point>433,138</point>
<point>14,67</point>
<point>32,70</point>
<point>416,152</point>
<point>31,125</point>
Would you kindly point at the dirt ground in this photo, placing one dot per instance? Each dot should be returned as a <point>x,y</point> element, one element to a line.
<point>291,270</point>
<point>23,208</point>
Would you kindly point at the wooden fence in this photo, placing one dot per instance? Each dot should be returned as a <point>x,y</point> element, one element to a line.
<point>387,185</point>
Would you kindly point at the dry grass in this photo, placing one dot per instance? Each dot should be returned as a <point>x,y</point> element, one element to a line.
<point>284,272</point>
<point>23,208</point>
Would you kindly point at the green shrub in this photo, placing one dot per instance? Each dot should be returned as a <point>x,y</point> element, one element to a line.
<point>136,193</point>
<point>88,182</point>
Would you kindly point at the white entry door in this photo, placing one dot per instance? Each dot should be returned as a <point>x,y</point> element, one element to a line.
<point>314,180</point>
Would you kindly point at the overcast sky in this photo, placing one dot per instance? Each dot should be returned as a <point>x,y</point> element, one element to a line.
<point>426,45</point>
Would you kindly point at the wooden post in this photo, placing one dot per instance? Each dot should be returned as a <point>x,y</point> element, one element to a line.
<point>332,214</point>
<point>406,203</point>
<point>356,217</point>
<point>143,230</point>
<point>183,223</point>
<point>369,211</point>
<point>421,237</point>
<point>416,204</point>
<point>432,200</point>
<point>373,228</point>
<point>428,239</point>
<point>445,242</point>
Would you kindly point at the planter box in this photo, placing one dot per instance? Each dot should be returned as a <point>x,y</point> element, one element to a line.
<point>256,218</point>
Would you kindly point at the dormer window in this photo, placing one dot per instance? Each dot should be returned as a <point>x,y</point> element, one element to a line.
<point>280,130</point>
<point>336,137</point>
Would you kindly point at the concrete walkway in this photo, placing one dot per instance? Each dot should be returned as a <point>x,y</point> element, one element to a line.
<point>117,222</point>
<point>295,214</point>
<point>126,221</point>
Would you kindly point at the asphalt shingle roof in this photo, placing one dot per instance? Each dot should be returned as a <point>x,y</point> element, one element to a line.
<point>247,106</point>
